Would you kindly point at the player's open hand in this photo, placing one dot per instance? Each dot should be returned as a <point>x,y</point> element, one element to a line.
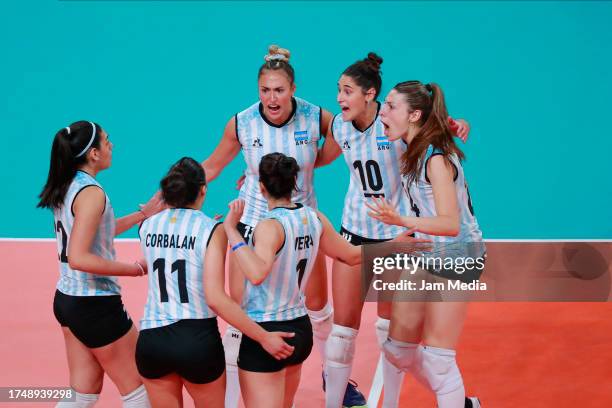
<point>240,182</point>
<point>154,205</point>
<point>236,208</point>
<point>276,346</point>
<point>383,211</point>
<point>420,244</point>
<point>460,128</point>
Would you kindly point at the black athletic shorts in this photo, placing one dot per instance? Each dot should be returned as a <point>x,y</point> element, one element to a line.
<point>95,320</point>
<point>246,231</point>
<point>191,348</point>
<point>253,357</point>
<point>357,240</point>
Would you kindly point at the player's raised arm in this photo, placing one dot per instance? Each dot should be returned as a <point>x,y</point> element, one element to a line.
<point>224,153</point>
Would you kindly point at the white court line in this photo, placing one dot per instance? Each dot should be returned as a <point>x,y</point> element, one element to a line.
<point>377,384</point>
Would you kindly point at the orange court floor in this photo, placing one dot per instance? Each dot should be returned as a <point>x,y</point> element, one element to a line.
<point>510,354</point>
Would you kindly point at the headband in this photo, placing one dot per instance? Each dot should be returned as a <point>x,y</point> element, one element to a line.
<point>275,57</point>
<point>93,136</point>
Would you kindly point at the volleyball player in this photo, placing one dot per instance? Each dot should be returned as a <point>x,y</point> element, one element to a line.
<point>98,333</point>
<point>372,160</point>
<point>277,267</point>
<point>278,122</point>
<point>423,335</point>
<point>179,342</point>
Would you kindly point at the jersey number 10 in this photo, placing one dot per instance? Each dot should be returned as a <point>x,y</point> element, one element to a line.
<point>374,180</point>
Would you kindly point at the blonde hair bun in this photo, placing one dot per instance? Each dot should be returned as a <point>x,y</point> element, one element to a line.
<point>277,53</point>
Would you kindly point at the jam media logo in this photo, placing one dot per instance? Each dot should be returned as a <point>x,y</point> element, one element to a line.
<point>301,137</point>
<point>257,143</point>
<point>383,143</point>
<point>346,145</point>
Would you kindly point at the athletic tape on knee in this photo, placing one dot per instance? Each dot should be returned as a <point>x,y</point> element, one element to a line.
<point>382,331</point>
<point>401,354</point>
<point>439,368</point>
<point>80,401</point>
<point>340,348</point>
<point>321,321</point>
<point>231,345</point>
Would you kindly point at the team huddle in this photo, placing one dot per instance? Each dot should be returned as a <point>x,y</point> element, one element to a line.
<point>406,185</point>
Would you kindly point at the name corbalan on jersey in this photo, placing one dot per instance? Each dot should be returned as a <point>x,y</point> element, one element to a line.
<point>170,241</point>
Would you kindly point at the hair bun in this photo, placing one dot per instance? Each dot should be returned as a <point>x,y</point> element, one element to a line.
<point>181,185</point>
<point>289,165</point>
<point>374,60</point>
<point>277,53</point>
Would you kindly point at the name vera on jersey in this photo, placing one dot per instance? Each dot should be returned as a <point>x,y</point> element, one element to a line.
<point>170,241</point>
<point>304,242</point>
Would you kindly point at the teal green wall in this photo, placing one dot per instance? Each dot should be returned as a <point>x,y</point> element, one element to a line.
<point>533,79</point>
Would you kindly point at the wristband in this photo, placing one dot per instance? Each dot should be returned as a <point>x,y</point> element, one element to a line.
<point>238,245</point>
<point>141,268</point>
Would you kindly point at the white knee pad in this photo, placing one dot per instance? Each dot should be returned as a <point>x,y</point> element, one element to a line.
<point>321,321</point>
<point>231,345</point>
<point>439,368</point>
<point>340,348</point>
<point>382,331</point>
<point>80,401</point>
<point>401,354</point>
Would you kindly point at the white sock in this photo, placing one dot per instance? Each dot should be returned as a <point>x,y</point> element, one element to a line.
<point>321,321</point>
<point>340,351</point>
<point>439,368</point>
<point>136,399</point>
<point>80,401</point>
<point>393,377</point>
<point>231,345</point>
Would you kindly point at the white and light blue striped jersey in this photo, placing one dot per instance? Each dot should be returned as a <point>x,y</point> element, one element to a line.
<point>374,167</point>
<point>280,296</point>
<point>174,242</point>
<point>297,138</point>
<point>421,201</point>
<point>78,283</point>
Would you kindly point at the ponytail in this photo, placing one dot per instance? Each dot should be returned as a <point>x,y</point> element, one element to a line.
<point>434,128</point>
<point>68,153</point>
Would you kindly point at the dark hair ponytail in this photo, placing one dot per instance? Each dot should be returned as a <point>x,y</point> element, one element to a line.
<point>366,73</point>
<point>70,142</point>
<point>181,186</point>
<point>278,173</point>
<point>429,99</point>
